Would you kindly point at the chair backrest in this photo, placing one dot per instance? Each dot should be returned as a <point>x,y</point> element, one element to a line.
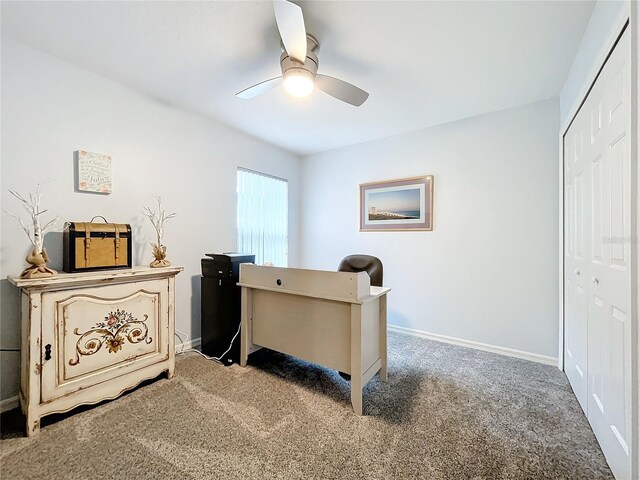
<point>363,263</point>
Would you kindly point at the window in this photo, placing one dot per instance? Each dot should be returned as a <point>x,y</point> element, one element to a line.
<point>262,217</point>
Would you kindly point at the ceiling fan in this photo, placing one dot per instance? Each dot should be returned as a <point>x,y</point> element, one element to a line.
<point>299,62</point>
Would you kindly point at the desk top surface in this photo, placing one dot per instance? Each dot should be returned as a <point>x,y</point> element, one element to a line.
<point>346,287</point>
<point>375,292</point>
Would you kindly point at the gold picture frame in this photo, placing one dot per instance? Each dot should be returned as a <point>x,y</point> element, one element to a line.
<point>404,204</point>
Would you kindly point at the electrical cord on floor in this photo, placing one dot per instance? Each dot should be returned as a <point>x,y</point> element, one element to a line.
<point>182,342</point>
<point>193,350</point>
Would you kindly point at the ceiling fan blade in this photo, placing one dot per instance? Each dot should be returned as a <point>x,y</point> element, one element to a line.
<point>341,90</point>
<point>259,88</point>
<point>291,26</point>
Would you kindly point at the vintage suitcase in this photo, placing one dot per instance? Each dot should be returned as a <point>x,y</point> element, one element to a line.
<point>92,246</point>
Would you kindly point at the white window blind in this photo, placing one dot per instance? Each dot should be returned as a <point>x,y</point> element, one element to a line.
<point>262,217</point>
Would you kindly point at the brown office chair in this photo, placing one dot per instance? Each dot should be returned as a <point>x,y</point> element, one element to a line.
<point>363,263</point>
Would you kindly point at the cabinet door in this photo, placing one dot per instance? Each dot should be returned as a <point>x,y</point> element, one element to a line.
<point>99,333</point>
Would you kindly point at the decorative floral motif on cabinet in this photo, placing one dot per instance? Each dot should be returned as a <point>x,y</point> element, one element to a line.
<point>113,332</point>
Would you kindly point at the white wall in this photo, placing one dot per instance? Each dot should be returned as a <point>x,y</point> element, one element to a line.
<point>589,57</point>
<point>51,108</point>
<point>488,272</point>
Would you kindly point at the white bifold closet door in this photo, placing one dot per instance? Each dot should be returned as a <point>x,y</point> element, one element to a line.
<point>598,316</point>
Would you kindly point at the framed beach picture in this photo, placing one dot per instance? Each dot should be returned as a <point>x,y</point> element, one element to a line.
<point>392,205</point>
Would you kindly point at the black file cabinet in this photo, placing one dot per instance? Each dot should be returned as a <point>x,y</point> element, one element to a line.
<point>220,305</point>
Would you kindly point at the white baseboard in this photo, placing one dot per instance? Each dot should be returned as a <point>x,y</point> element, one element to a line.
<point>194,343</point>
<point>9,403</point>
<point>485,347</point>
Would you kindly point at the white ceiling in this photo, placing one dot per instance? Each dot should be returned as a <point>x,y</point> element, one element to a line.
<point>423,63</point>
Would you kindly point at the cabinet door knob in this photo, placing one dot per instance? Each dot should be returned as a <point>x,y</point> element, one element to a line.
<point>47,351</point>
<point>595,281</point>
<point>577,273</point>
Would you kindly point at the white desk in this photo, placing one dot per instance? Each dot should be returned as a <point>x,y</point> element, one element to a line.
<point>334,319</point>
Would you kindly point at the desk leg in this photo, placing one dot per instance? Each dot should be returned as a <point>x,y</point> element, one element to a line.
<point>383,338</point>
<point>245,329</point>
<point>356,358</point>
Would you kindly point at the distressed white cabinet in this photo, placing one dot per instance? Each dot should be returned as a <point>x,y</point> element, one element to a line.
<point>87,337</point>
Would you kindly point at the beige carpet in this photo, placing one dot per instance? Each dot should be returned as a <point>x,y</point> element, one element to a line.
<point>447,413</point>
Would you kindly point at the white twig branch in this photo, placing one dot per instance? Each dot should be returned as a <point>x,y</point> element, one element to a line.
<point>36,232</point>
<point>24,227</point>
<point>158,218</point>
<point>50,225</point>
<point>28,206</point>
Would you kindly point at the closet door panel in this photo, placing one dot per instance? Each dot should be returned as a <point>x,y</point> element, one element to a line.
<point>598,360</point>
<point>577,206</point>
<point>609,276</point>
<point>620,251</point>
<point>598,220</point>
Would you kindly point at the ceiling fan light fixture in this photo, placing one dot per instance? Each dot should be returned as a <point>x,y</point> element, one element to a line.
<point>299,62</point>
<point>298,82</point>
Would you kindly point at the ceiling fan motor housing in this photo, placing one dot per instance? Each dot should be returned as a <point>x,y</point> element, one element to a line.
<point>311,62</point>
